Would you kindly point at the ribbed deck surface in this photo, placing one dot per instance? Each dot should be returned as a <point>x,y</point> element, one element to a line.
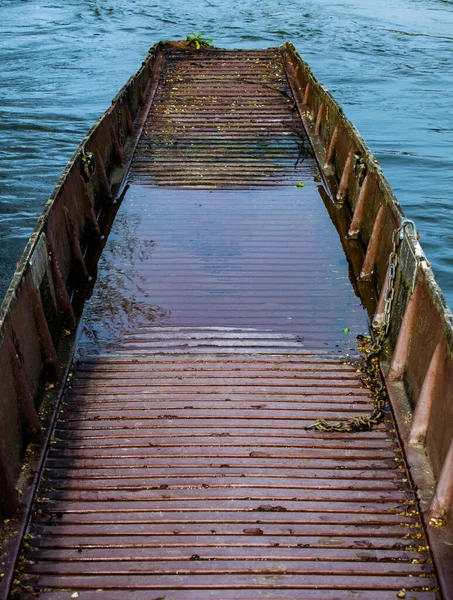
<point>180,466</point>
<point>193,477</point>
<point>269,261</point>
<point>223,119</point>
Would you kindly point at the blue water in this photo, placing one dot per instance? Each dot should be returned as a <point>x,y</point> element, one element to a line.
<point>389,63</point>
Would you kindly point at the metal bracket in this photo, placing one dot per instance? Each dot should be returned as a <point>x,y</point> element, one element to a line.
<point>39,261</point>
<point>408,260</point>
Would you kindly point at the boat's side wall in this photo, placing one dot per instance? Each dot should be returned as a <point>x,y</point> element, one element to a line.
<point>57,271</point>
<point>419,352</point>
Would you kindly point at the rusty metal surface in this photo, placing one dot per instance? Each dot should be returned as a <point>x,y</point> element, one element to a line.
<point>223,119</point>
<point>180,466</point>
<point>49,286</point>
<point>188,476</point>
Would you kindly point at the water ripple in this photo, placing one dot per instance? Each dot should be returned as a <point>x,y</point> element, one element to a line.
<point>388,63</point>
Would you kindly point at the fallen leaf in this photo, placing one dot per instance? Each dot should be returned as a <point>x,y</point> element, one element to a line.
<point>253,531</point>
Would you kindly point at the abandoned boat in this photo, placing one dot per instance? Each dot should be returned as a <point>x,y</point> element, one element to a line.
<point>205,426</point>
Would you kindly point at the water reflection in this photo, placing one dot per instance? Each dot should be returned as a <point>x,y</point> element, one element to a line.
<point>121,300</point>
<point>244,258</point>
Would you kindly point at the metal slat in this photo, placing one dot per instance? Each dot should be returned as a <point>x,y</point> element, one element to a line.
<point>276,593</point>
<point>199,108</point>
<point>253,260</point>
<point>225,520</point>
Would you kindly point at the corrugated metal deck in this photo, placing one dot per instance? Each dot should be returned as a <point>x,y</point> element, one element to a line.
<point>223,120</point>
<point>267,260</point>
<point>180,466</point>
<point>195,474</point>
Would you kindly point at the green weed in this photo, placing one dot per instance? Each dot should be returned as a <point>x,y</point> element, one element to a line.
<point>197,41</point>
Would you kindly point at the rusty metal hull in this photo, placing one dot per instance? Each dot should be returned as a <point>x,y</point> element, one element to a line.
<point>55,273</point>
<point>216,332</point>
<point>418,364</point>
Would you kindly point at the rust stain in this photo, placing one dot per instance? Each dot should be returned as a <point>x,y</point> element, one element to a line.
<point>180,465</point>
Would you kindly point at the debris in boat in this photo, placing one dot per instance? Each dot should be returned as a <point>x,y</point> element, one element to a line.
<point>437,522</point>
<point>87,160</point>
<point>369,364</point>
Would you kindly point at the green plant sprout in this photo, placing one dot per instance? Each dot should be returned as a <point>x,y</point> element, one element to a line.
<point>197,40</point>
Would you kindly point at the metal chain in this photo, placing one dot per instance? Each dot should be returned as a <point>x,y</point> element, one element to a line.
<point>371,351</point>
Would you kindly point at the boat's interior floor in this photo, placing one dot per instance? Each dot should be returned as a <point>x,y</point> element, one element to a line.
<point>266,262</point>
<point>219,328</point>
